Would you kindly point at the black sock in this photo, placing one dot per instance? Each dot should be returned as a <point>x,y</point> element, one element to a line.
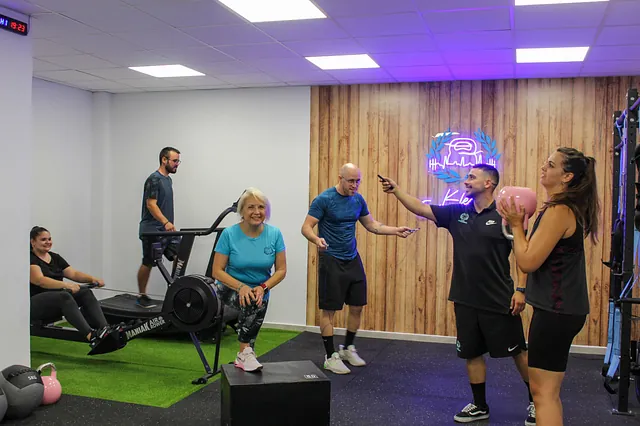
<point>529,390</point>
<point>328,345</point>
<point>479,397</point>
<point>349,339</point>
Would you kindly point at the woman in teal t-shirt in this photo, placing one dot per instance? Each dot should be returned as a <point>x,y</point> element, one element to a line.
<point>245,256</point>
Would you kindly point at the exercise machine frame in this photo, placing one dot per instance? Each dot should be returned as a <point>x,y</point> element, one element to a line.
<point>621,261</point>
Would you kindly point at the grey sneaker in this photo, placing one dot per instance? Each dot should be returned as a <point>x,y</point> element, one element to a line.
<point>335,364</point>
<point>351,356</point>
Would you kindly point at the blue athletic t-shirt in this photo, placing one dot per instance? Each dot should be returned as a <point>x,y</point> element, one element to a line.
<point>250,259</point>
<point>337,215</point>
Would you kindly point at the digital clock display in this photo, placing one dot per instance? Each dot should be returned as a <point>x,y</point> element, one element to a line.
<point>13,25</point>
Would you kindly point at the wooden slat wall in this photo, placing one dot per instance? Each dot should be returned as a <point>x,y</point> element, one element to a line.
<point>388,129</point>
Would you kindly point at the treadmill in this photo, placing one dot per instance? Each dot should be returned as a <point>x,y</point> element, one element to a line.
<point>122,308</point>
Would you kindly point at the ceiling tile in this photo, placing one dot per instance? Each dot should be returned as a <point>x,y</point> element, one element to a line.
<point>94,43</point>
<point>573,37</point>
<point>160,39</point>
<point>342,8</point>
<point>148,82</point>
<point>115,17</point>
<point>23,7</point>
<point>382,25</point>
<point>256,78</point>
<point>133,58</point>
<point>346,46</point>
<point>461,4</point>
<point>621,35</point>
<point>469,57</point>
<point>66,76</point>
<point>48,25</point>
<point>468,20</point>
<point>475,40</point>
<point>257,51</point>
<point>43,47</point>
<point>114,73</point>
<point>80,62</point>
<point>232,67</point>
<point>367,73</point>
<point>277,64</point>
<point>313,83</point>
<point>57,5</point>
<point>192,55</point>
<point>188,13</point>
<point>290,76</point>
<point>613,53</point>
<point>197,81</point>
<point>571,68</point>
<point>407,59</point>
<point>397,44</point>
<point>631,67</point>
<point>360,80</point>
<point>484,71</point>
<point>420,73</point>
<point>229,34</point>
<point>559,16</point>
<point>308,29</point>
<point>623,13</point>
<point>39,65</point>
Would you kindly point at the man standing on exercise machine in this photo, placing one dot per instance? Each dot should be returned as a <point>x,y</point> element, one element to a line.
<point>157,215</point>
<point>487,308</point>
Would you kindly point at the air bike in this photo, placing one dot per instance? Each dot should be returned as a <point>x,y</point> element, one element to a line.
<point>191,303</point>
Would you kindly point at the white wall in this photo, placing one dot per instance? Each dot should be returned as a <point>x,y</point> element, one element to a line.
<point>229,140</point>
<point>62,173</point>
<point>15,143</point>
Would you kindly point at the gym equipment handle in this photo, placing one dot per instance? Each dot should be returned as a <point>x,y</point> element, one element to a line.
<point>198,232</point>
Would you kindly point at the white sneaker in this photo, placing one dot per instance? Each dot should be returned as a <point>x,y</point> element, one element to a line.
<point>351,355</point>
<point>247,360</point>
<point>335,364</point>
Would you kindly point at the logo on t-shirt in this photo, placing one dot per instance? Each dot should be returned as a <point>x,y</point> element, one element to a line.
<point>463,218</point>
<point>269,251</point>
<point>491,222</point>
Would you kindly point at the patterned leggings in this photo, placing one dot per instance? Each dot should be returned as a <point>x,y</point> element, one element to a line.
<point>251,317</point>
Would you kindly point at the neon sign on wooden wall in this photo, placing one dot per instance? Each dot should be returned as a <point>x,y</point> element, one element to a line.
<point>450,152</point>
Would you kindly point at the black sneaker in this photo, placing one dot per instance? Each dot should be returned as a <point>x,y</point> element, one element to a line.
<point>98,335</point>
<point>145,302</point>
<point>531,415</point>
<point>472,413</point>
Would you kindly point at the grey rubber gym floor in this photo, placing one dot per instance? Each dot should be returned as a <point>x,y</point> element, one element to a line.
<point>405,383</point>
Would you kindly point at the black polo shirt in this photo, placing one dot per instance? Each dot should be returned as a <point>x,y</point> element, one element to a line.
<point>481,269</point>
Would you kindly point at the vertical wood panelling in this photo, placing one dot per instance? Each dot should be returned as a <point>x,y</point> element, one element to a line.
<point>388,129</point>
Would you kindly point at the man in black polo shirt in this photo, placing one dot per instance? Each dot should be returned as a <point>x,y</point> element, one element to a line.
<point>486,306</point>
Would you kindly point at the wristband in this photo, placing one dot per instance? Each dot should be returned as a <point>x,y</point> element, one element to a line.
<point>521,289</point>
<point>264,287</point>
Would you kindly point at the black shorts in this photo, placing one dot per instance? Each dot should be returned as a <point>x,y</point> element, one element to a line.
<point>481,331</point>
<point>341,282</point>
<point>169,248</point>
<point>550,338</point>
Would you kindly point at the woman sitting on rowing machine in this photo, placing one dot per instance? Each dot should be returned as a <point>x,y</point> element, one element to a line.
<point>245,256</point>
<point>51,297</point>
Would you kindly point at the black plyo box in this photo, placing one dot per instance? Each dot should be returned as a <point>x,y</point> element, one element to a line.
<point>282,393</point>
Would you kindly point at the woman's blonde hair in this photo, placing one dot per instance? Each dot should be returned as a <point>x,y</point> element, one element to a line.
<point>259,195</point>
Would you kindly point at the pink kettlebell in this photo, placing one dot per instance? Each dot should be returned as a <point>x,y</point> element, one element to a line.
<point>521,195</point>
<point>52,387</point>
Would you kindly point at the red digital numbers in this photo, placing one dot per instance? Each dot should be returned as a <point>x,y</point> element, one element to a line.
<point>14,26</point>
<point>21,28</point>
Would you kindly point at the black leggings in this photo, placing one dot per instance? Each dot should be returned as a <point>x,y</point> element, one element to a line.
<point>251,317</point>
<point>51,305</point>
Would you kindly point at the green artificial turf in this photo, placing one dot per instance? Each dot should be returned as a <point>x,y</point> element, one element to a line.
<point>155,372</point>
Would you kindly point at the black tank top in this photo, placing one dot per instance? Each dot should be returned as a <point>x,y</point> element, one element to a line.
<point>560,283</point>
